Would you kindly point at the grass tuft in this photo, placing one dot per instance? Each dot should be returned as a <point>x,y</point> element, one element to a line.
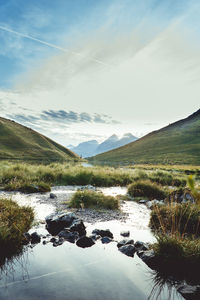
<point>146,189</point>
<point>91,199</point>
<point>14,222</point>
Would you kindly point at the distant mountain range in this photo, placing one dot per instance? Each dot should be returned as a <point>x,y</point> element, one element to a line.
<point>92,147</point>
<point>22,143</point>
<point>177,143</point>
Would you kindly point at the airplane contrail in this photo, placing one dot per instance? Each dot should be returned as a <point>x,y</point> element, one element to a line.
<point>50,45</point>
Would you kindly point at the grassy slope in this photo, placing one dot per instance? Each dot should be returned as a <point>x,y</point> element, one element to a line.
<point>178,143</point>
<point>20,142</point>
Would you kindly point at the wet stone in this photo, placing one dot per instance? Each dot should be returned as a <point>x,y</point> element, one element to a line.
<point>35,238</point>
<point>125,242</point>
<point>103,233</point>
<point>58,221</point>
<point>95,237</point>
<point>149,257</point>
<point>141,246</point>
<point>68,235</point>
<point>79,227</point>
<point>85,242</point>
<point>125,233</point>
<point>189,292</point>
<point>52,196</point>
<point>106,240</point>
<point>128,250</point>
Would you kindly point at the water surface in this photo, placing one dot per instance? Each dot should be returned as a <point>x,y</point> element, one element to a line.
<point>70,272</point>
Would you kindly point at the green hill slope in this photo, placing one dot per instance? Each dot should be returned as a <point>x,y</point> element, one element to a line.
<point>22,143</point>
<point>178,143</point>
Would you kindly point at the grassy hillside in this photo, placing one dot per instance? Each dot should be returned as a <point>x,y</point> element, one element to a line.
<point>22,143</point>
<point>178,143</point>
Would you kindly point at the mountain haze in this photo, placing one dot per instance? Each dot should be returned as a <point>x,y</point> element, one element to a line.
<point>22,143</point>
<point>177,143</point>
<point>92,147</point>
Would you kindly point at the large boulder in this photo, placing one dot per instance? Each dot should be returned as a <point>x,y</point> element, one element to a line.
<point>103,233</point>
<point>128,250</point>
<point>68,235</point>
<point>85,242</point>
<point>79,227</point>
<point>58,221</point>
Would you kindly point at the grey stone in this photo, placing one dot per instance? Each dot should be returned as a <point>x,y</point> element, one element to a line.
<point>85,242</point>
<point>103,233</point>
<point>68,235</point>
<point>125,242</point>
<point>189,292</point>
<point>79,227</point>
<point>128,250</point>
<point>106,240</point>
<point>141,246</point>
<point>58,221</point>
<point>52,196</point>
<point>125,233</point>
<point>35,238</point>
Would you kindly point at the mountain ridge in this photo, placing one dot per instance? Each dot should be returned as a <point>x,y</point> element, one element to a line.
<point>176,143</point>
<point>23,143</point>
<point>92,147</point>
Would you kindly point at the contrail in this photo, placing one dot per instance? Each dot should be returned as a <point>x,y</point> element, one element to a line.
<point>49,44</point>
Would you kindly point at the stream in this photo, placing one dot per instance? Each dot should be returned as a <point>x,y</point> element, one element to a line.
<point>95,273</point>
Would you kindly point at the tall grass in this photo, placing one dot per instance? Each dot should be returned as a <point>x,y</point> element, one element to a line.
<point>13,176</point>
<point>14,222</point>
<point>177,228</point>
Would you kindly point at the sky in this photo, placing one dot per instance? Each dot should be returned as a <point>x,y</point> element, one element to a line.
<point>78,70</point>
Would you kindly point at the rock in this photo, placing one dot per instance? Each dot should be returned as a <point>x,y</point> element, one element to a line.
<point>27,237</point>
<point>141,246</point>
<point>181,196</point>
<point>125,233</point>
<point>95,237</point>
<point>103,233</point>
<point>149,257</point>
<point>151,203</point>
<point>85,242</point>
<point>35,238</point>
<point>52,240</point>
<point>79,227</point>
<point>142,202</point>
<point>68,235</point>
<point>125,242</point>
<point>58,221</point>
<point>59,242</point>
<point>106,240</point>
<point>52,196</point>
<point>128,250</point>
<point>189,292</point>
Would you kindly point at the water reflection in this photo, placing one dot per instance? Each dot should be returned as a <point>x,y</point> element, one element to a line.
<point>12,264</point>
<point>163,284</point>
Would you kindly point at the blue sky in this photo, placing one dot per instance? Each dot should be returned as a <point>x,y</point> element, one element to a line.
<point>109,62</point>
